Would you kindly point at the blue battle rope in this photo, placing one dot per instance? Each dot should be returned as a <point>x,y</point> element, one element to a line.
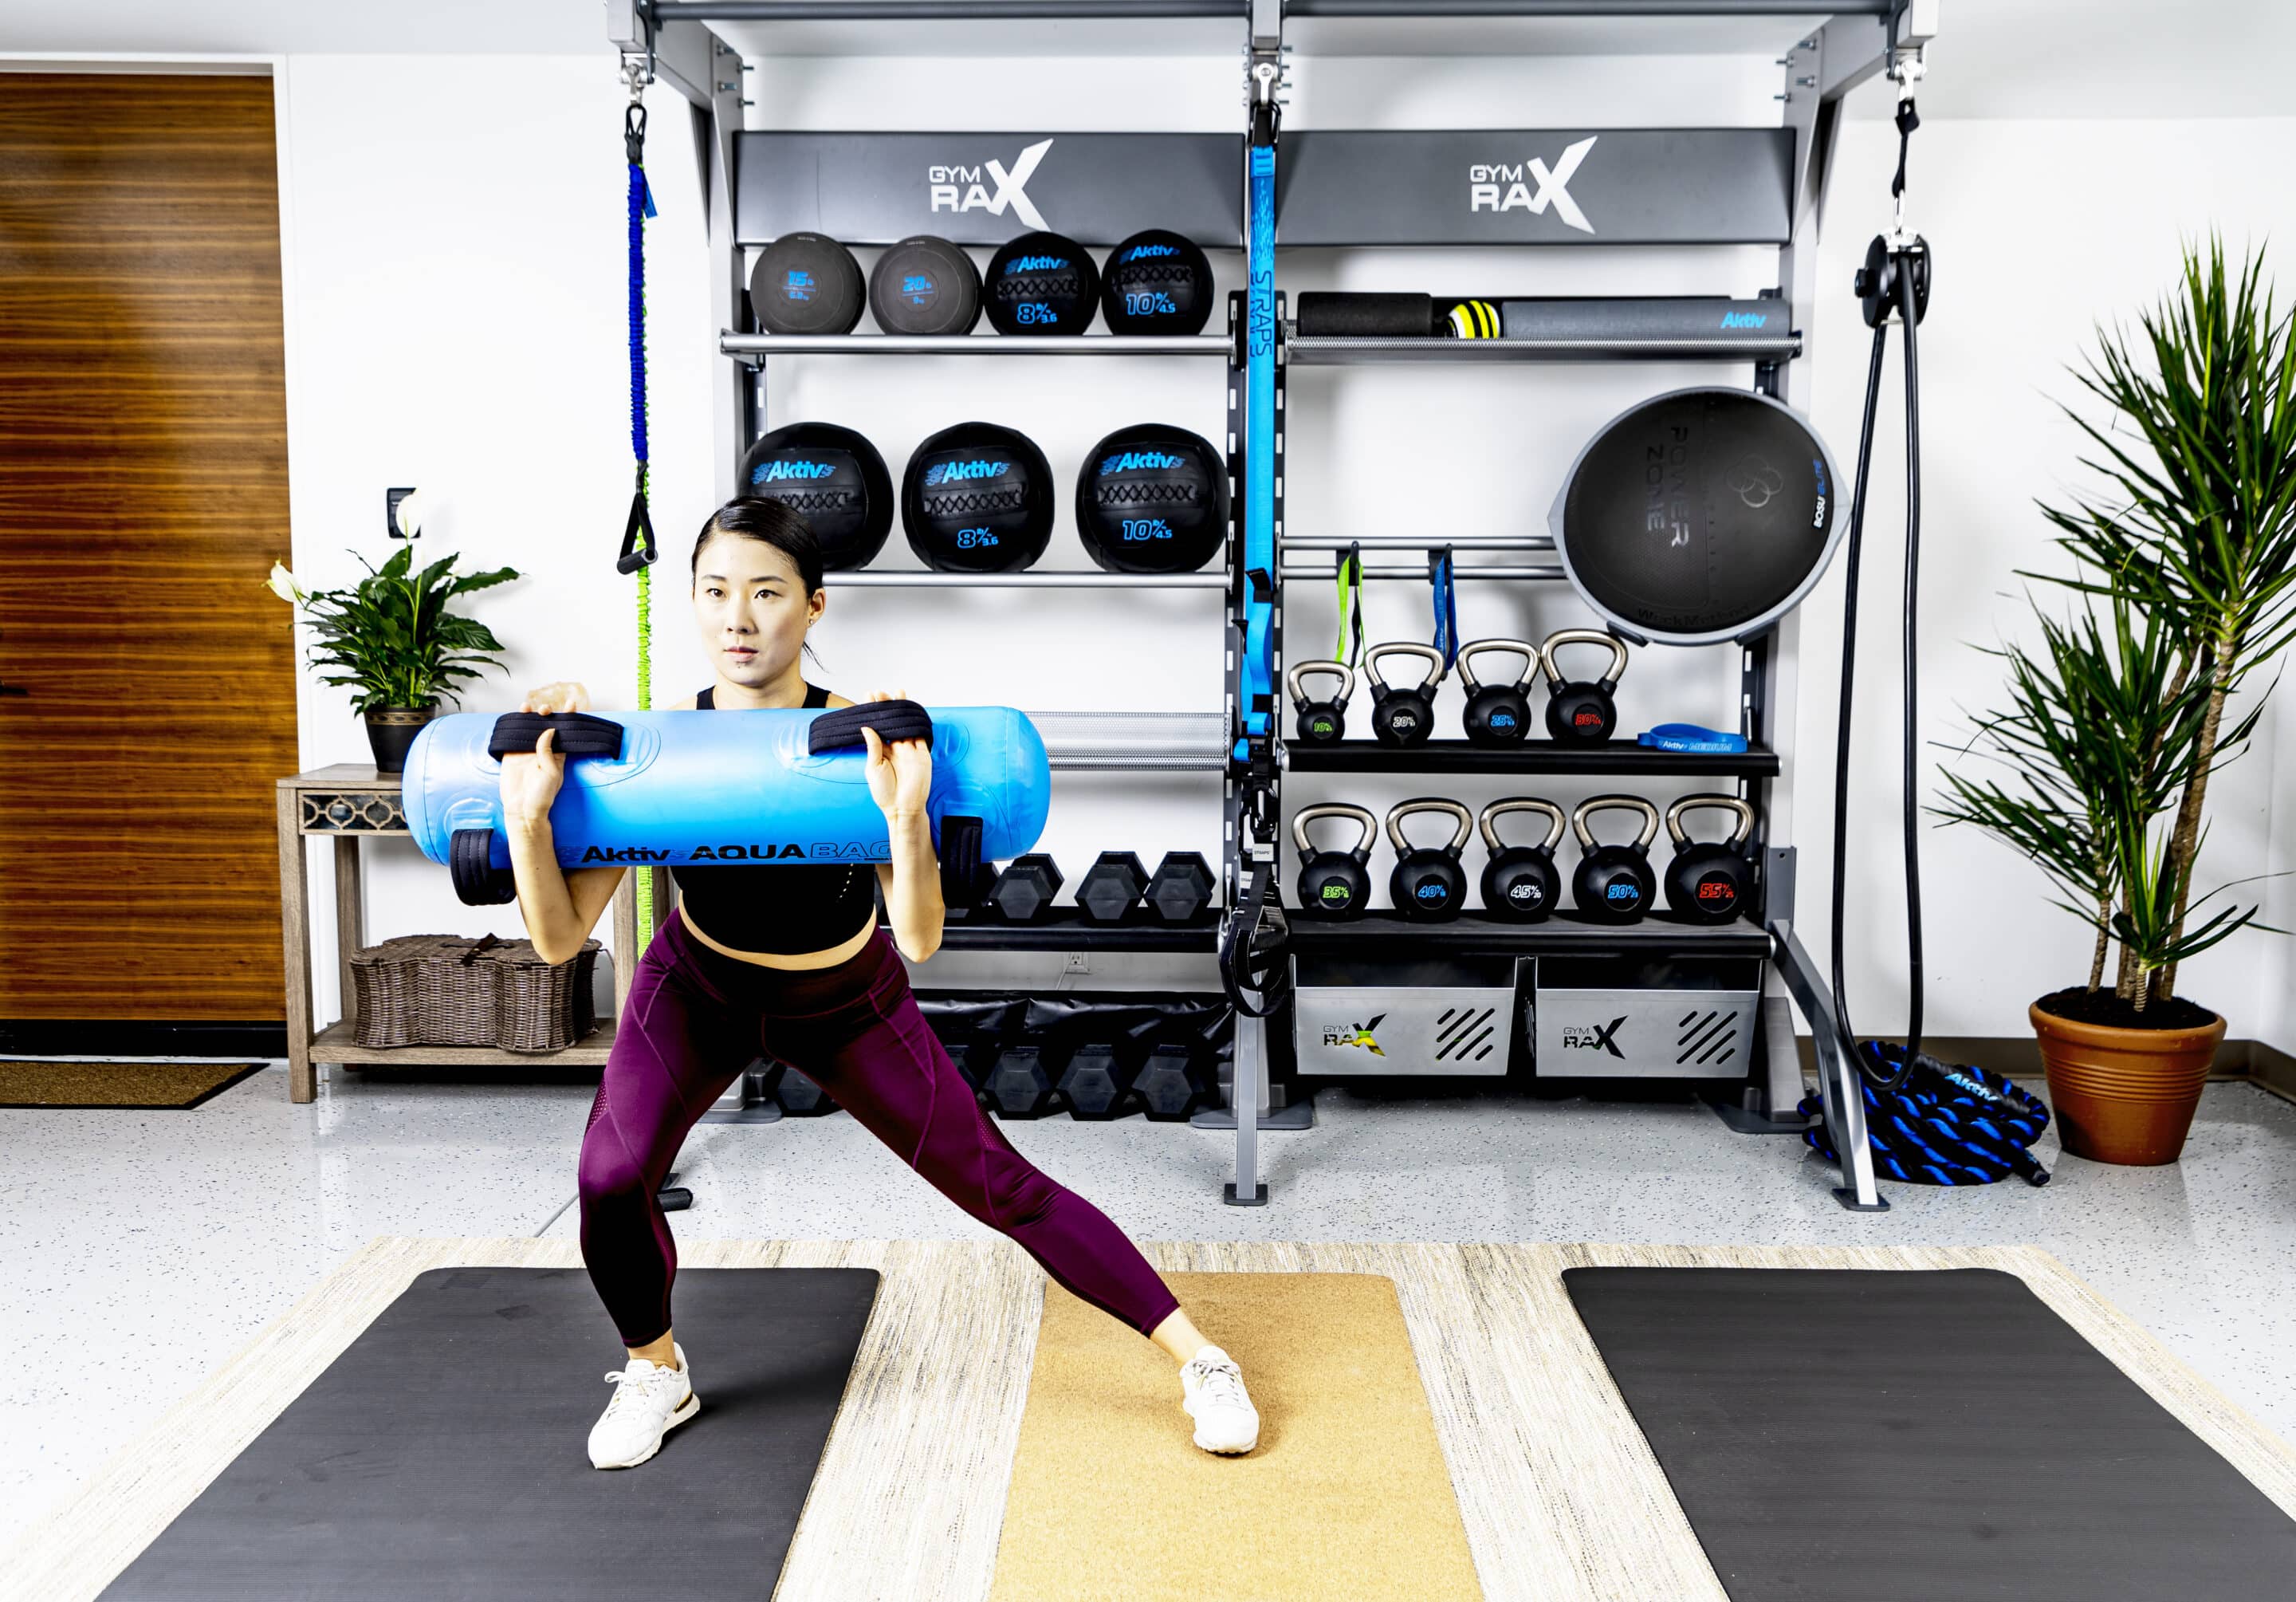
<point>639,548</point>
<point>1941,1124</point>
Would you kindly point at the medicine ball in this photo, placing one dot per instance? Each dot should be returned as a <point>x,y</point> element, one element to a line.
<point>1158,281</point>
<point>926,285</point>
<point>1701,516</point>
<point>1152,499</point>
<point>1042,283</point>
<point>977,498</point>
<point>806,283</point>
<point>834,479</point>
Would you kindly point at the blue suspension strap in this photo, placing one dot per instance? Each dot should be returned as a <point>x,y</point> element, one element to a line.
<point>639,548</point>
<point>1442,583</point>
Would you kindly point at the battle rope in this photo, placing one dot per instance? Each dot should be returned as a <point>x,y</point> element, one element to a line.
<point>638,546</point>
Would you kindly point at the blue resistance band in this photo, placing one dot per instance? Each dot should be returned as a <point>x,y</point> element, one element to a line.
<point>1691,737</point>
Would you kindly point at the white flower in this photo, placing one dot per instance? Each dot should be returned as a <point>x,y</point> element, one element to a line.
<point>284,584</point>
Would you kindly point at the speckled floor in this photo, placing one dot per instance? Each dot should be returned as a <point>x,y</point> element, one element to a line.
<point>139,1250</point>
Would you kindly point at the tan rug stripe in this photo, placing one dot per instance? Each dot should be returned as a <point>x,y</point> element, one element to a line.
<point>1109,1500</point>
<point>114,1085</point>
<point>1557,1492</point>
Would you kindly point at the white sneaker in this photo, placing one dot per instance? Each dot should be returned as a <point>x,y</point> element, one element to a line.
<point>650,1401</point>
<point>1213,1395</point>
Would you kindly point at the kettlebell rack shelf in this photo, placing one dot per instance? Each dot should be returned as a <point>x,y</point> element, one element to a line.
<point>1620,757</point>
<point>1563,933</point>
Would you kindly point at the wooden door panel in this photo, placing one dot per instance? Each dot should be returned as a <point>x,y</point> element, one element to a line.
<point>142,500</point>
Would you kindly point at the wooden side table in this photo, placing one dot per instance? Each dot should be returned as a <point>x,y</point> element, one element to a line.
<point>351,802</point>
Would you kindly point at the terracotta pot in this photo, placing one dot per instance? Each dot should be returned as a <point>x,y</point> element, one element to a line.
<point>390,731</point>
<point>2125,1096</point>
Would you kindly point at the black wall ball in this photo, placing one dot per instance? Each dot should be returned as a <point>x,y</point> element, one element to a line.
<point>1153,498</point>
<point>1156,282</point>
<point>1699,516</point>
<point>832,478</point>
<point>806,283</point>
<point>1041,283</point>
<point>926,285</point>
<point>977,498</point>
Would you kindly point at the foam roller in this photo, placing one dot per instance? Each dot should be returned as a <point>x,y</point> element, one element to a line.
<point>744,787</point>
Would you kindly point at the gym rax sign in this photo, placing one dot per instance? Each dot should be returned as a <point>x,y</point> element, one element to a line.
<point>1333,186</point>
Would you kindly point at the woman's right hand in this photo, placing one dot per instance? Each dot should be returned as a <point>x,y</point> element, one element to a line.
<point>530,780</point>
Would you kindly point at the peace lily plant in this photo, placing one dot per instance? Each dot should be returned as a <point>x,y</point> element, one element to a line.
<point>395,644</point>
<point>2183,586</point>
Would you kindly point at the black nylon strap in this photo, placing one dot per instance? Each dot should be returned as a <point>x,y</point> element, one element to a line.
<point>892,720</point>
<point>579,735</point>
<point>477,882</point>
<point>1252,950</point>
<point>960,859</point>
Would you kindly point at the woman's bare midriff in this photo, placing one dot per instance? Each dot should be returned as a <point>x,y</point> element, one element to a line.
<point>794,961</point>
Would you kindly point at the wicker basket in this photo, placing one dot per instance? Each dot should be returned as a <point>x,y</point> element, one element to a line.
<point>452,990</point>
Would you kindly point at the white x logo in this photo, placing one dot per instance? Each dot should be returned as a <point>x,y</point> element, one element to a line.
<point>1011,187</point>
<point>1553,187</point>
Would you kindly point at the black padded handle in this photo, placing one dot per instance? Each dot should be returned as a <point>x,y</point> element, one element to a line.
<point>579,735</point>
<point>892,720</point>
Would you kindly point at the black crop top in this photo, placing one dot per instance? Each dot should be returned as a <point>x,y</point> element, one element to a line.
<point>778,911</point>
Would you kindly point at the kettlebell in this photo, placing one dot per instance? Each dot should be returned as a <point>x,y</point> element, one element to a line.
<point>1614,883</point>
<point>1428,884</point>
<point>1400,716</point>
<point>1580,711</point>
<point>1521,882</point>
<point>1334,884</point>
<point>1710,882</point>
<point>1322,722</point>
<point>1498,714</point>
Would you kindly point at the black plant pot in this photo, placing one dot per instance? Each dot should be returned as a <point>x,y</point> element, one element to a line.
<point>390,730</point>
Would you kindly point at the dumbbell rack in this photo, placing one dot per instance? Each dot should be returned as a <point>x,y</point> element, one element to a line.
<point>670,42</point>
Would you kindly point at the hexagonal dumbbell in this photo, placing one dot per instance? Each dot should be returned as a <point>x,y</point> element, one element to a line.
<point>1174,1082</point>
<point>1181,887</point>
<point>1024,892</point>
<point>1112,886</point>
<point>1019,1085</point>
<point>1096,1084</point>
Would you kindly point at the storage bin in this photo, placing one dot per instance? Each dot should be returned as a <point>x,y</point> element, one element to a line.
<point>452,990</point>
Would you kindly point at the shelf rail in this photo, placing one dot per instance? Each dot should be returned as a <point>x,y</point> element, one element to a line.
<point>757,346</point>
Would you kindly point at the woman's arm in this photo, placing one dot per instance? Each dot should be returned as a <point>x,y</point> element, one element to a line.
<point>560,908</point>
<point>900,778</point>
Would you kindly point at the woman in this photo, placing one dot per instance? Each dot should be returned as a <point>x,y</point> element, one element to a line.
<point>790,961</point>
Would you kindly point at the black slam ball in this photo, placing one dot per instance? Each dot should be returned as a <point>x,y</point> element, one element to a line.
<point>806,283</point>
<point>1152,499</point>
<point>977,498</point>
<point>1041,283</point>
<point>926,285</point>
<point>1156,282</point>
<point>834,479</point>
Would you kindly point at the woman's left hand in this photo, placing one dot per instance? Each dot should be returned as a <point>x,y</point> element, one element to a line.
<point>900,771</point>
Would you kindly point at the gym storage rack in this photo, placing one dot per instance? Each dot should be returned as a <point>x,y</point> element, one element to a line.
<point>1766,183</point>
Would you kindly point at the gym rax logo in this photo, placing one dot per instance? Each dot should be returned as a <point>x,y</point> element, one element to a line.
<point>958,188</point>
<point>1355,1034</point>
<point>1593,1037</point>
<point>1506,186</point>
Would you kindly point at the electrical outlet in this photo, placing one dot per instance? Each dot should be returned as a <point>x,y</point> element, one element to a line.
<point>1079,962</point>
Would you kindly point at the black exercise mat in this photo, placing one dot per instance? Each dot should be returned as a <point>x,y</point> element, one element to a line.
<point>1924,1435</point>
<point>442,1454</point>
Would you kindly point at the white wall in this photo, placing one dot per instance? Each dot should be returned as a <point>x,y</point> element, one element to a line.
<point>454,235</point>
<point>2042,230</point>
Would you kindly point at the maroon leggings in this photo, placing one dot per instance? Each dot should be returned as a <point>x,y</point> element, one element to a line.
<point>696,1018</point>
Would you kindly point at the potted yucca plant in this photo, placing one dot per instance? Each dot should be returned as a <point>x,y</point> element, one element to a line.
<point>2184,585</point>
<point>395,643</point>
